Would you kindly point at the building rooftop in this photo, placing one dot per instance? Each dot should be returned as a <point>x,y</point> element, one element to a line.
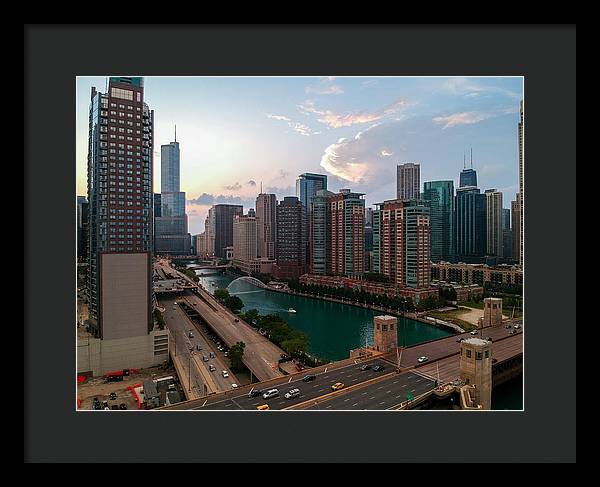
<point>476,341</point>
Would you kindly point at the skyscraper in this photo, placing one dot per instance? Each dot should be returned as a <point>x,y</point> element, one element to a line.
<point>494,223</point>
<point>515,207</point>
<point>468,176</point>
<point>401,234</point>
<point>223,215</point>
<point>408,182</point>
<point>319,241</point>
<point>470,225</point>
<point>439,195</point>
<point>290,250</point>
<point>346,211</point>
<point>507,250</point>
<point>244,238</point>
<point>209,230</point>
<point>266,214</point>
<point>121,211</point>
<point>82,227</point>
<point>171,227</point>
<point>307,186</point>
<point>521,188</point>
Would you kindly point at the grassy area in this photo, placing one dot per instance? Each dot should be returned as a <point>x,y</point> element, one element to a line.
<point>453,317</point>
<point>506,311</point>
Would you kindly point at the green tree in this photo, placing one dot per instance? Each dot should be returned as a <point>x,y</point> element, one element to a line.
<point>236,354</point>
<point>221,294</point>
<point>234,303</point>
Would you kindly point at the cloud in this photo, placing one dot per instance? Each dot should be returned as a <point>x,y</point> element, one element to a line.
<point>385,153</point>
<point>461,118</point>
<point>325,86</point>
<point>298,127</point>
<point>234,187</point>
<point>469,88</point>
<point>251,183</point>
<point>337,120</point>
<point>278,117</point>
<point>207,199</point>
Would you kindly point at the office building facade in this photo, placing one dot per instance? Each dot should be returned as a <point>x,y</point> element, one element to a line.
<point>223,215</point>
<point>319,235</point>
<point>291,243</point>
<point>470,225</point>
<point>494,223</point>
<point>346,212</point>
<point>408,181</point>
<point>266,228</point>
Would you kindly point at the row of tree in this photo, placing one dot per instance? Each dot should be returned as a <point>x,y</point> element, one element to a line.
<point>234,303</point>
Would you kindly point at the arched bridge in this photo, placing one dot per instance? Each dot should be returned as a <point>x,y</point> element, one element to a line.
<point>250,280</point>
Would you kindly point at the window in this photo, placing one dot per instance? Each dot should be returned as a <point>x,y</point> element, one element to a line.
<point>468,353</point>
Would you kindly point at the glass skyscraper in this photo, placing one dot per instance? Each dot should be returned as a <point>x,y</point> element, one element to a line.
<point>307,186</point>
<point>470,225</point>
<point>439,195</point>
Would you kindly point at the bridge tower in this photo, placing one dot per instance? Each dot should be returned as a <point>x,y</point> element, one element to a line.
<point>492,311</point>
<point>385,333</point>
<point>476,368</point>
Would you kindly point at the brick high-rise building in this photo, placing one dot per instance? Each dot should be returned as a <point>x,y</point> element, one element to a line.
<point>401,247</point>
<point>290,249</point>
<point>266,229</point>
<point>121,210</point>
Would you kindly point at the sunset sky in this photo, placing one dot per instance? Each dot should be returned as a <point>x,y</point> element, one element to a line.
<point>236,132</point>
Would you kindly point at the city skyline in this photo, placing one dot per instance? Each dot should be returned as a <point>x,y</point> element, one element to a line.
<point>236,133</point>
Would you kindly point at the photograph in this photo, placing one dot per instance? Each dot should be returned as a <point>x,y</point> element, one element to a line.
<point>333,243</point>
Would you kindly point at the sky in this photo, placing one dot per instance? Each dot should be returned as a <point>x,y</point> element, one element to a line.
<point>235,133</point>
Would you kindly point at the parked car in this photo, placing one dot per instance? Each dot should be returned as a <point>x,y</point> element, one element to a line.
<point>292,393</point>
<point>254,393</point>
<point>337,386</point>
<point>378,368</point>
<point>104,404</point>
<point>422,359</point>
<point>123,406</point>
<point>112,396</point>
<point>234,386</point>
<point>308,378</point>
<point>365,367</point>
<point>270,393</point>
<point>263,407</point>
<point>211,354</point>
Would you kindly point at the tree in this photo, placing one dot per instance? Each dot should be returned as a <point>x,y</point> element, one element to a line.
<point>236,354</point>
<point>221,294</point>
<point>234,303</point>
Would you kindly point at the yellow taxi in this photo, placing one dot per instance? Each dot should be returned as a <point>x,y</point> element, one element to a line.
<point>337,386</point>
<point>263,407</point>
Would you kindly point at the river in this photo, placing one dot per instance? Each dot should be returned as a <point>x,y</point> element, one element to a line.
<point>333,329</point>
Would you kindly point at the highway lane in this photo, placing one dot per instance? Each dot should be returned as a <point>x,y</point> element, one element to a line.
<point>180,325</point>
<point>379,395</point>
<point>349,375</point>
<point>261,355</point>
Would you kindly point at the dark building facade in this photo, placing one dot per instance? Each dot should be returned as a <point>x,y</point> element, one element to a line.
<point>439,195</point>
<point>82,228</point>
<point>120,152</point>
<point>291,243</point>
<point>470,225</point>
<point>223,216</point>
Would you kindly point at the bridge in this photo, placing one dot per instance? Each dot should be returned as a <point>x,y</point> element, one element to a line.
<point>249,280</point>
<point>373,390</point>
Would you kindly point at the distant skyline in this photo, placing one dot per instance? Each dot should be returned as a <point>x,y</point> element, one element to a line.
<point>236,132</point>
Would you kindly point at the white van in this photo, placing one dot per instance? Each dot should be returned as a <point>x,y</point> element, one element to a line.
<point>270,393</point>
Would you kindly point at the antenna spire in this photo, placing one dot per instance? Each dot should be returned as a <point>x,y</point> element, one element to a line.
<point>471,157</point>
<point>175,132</point>
<point>464,160</point>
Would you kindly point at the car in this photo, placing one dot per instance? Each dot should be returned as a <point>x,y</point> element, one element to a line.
<point>459,340</point>
<point>517,326</point>
<point>422,359</point>
<point>204,358</point>
<point>123,406</point>
<point>365,367</point>
<point>337,386</point>
<point>378,368</point>
<point>191,335</point>
<point>292,393</point>
<point>198,347</point>
<point>508,326</point>
<point>225,374</point>
<point>234,386</point>
<point>254,393</point>
<point>226,354</point>
<point>212,368</point>
<point>236,320</point>
<point>105,404</point>
<point>211,354</point>
<point>308,378</point>
<point>106,408</point>
<point>270,393</point>
<point>474,332</point>
<point>112,396</point>
<point>263,407</point>
<point>512,332</point>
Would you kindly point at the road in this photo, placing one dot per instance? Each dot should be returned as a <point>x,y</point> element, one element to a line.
<point>260,355</point>
<point>350,375</point>
<point>180,325</point>
<point>388,393</point>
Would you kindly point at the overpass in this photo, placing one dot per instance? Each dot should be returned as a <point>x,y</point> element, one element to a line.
<point>261,356</point>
